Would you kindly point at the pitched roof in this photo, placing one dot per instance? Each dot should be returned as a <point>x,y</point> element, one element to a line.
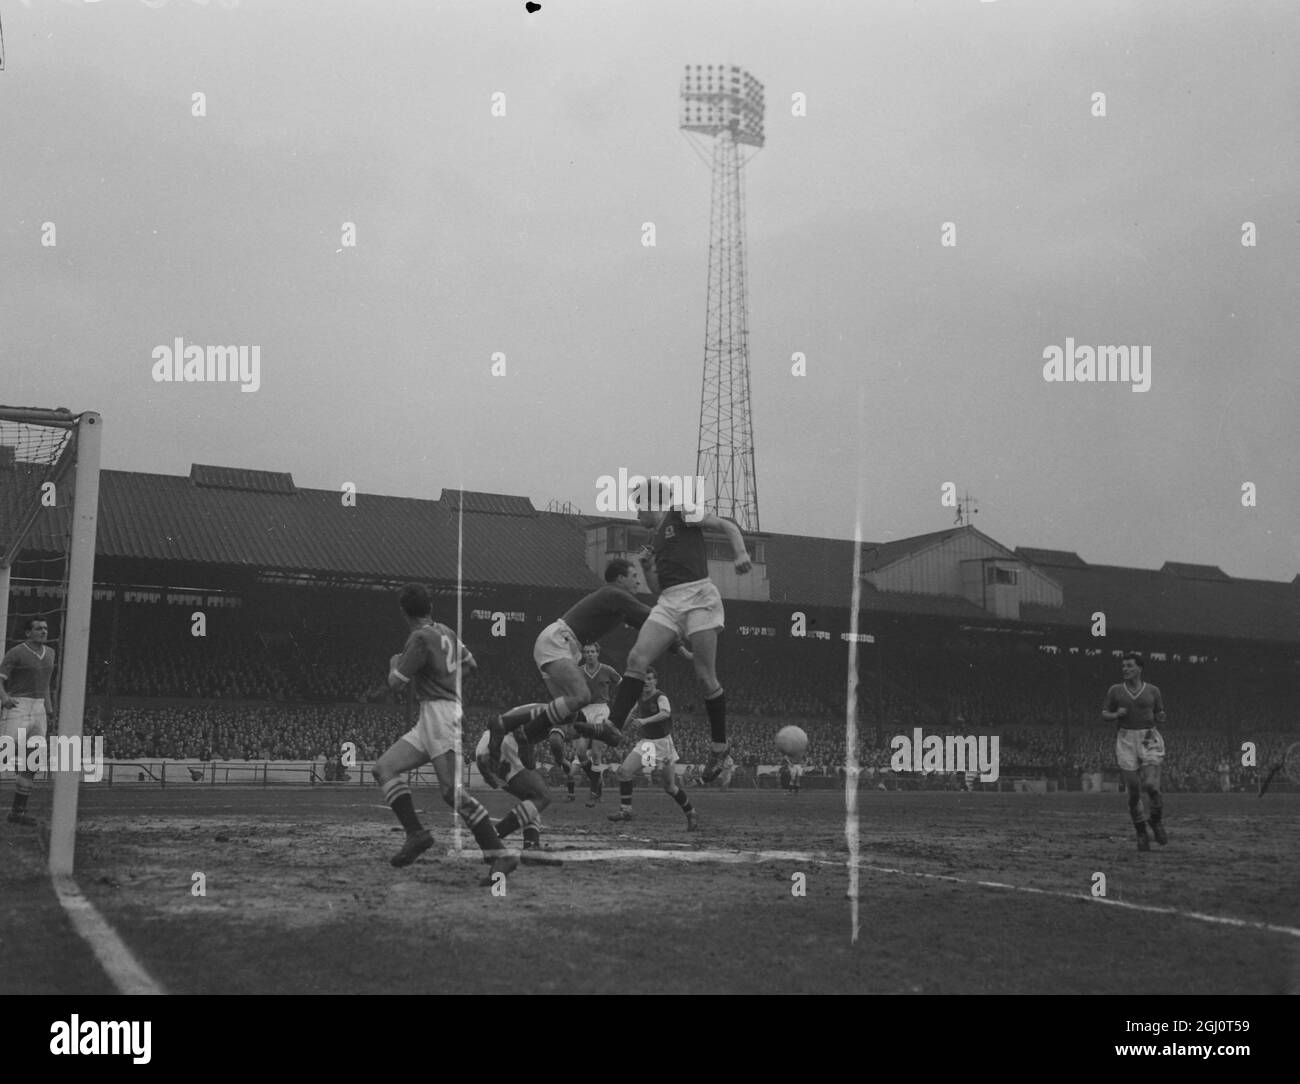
<point>1051,558</point>
<point>258,481</point>
<point>879,554</point>
<point>1195,572</point>
<point>168,518</point>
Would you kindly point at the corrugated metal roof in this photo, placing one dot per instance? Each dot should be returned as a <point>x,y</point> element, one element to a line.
<point>878,555</point>
<point>1054,558</point>
<point>168,518</point>
<point>1146,601</point>
<point>809,571</point>
<point>1194,572</point>
<point>258,481</point>
<point>488,503</point>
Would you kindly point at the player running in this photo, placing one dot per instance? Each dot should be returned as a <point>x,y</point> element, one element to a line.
<point>523,780</point>
<point>654,749</point>
<point>428,664</point>
<point>557,654</point>
<point>25,704</point>
<point>589,753</point>
<point>676,565</point>
<point>1136,707</point>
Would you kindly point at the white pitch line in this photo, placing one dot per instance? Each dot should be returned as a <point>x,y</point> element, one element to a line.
<point>123,969</point>
<point>613,854</point>
<point>1146,908</point>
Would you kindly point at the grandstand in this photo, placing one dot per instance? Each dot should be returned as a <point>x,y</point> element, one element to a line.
<point>957,630</point>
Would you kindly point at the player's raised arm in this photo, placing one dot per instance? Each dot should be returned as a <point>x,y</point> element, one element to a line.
<point>734,536</point>
<point>647,562</point>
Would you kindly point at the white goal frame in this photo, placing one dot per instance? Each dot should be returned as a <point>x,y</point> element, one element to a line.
<point>84,475</point>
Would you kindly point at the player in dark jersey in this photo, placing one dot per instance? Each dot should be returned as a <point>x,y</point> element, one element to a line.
<point>557,653</point>
<point>1135,707</point>
<point>676,565</point>
<point>26,710</point>
<point>588,753</point>
<point>654,748</point>
<point>428,665</point>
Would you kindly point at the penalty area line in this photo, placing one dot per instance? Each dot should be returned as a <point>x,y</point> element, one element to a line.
<point>122,968</point>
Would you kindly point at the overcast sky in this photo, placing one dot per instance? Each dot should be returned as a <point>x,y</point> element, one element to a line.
<point>522,234</point>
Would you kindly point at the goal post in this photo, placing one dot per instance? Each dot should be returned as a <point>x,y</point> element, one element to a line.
<point>50,458</point>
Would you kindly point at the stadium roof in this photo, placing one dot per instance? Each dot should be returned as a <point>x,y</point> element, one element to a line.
<point>877,555</point>
<point>1146,601</point>
<point>259,520</point>
<point>1057,558</point>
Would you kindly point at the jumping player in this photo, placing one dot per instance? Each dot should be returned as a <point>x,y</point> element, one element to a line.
<point>523,780</point>
<point>1135,707</point>
<point>676,565</point>
<point>557,653</point>
<point>25,704</point>
<point>428,664</point>
<point>654,749</point>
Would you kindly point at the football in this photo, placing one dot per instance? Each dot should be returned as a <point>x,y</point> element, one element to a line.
<point>792,741</point>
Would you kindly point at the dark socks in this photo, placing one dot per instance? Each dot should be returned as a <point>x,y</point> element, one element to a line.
<point>716,707</point>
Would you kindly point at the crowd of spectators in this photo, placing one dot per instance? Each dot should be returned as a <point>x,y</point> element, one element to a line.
<point>299,692</point>
<point>1195,760</point>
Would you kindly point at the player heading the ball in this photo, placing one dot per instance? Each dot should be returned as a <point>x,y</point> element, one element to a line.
<point>676,565</point>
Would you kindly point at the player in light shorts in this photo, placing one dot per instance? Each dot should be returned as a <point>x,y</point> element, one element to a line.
<point>675,563</point>
<point>653,749</point>
<point>589,753</point>
<point>26,709</point>
<point>523,780</point>
<point>1135,707</point>
<point>791,774</point>
<point>557,652</point>
<point>428,665</point>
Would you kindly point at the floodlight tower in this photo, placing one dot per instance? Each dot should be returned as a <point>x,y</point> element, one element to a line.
<point>726,103</point>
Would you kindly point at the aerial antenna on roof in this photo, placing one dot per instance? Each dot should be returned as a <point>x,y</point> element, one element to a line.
<point>965,509</point>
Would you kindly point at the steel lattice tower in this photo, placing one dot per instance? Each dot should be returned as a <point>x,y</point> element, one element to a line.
<point>725,103</point>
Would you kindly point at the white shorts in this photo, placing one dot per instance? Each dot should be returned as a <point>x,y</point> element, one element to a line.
<point>1133,749</point>
<point>689,608</point>
<point>556,642</point>
<point>653,753</point>
<point>509,754</point>
<point>596,713</point>
<point>28,716</point>
<point>437,730</point>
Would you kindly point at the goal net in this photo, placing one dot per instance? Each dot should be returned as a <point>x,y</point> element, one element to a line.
<point>49,502</point>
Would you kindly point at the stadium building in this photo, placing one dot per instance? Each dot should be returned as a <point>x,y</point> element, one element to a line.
<point>266,607</point>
